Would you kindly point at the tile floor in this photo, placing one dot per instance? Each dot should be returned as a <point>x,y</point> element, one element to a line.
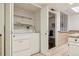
<point>59,51</point>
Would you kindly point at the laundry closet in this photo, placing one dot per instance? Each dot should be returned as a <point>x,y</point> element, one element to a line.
<point>26,33</point>
<point>25,29</point>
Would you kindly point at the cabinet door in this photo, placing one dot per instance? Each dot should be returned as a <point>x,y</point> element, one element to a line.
<point>1,29</point>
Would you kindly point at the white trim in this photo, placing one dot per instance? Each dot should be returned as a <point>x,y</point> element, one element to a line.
<point>44,16</point>
<point>8,29</point>
<point>2,28</point>
<point>36,5</point>
<point>3,31</point>
<point>12,25</point>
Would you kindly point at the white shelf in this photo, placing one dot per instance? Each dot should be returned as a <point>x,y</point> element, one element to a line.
<point>23,17</point>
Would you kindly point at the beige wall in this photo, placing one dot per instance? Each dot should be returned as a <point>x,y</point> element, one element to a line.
<point>63,38</point>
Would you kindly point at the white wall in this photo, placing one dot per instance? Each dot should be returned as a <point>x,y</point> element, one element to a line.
<point>73,22</point>
<point>37,21</point>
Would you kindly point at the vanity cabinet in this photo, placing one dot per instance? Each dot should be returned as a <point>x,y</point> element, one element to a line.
<point>63,22</point>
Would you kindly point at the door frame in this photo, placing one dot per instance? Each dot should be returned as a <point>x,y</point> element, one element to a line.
<point>8,28</point>
<point>44,32</point>
<point>57,28</point>
<point>2,27</point>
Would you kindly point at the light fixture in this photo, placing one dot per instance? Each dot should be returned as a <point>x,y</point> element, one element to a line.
<point>75,9</point>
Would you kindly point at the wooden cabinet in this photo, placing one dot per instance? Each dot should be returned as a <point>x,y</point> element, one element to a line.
<point>63,22</point>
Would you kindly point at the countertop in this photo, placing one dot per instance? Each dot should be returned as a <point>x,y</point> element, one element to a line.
<point>74,33</point>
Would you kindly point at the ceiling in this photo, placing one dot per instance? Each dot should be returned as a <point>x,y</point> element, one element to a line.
<point>65,7</point>
<point>27,6</point>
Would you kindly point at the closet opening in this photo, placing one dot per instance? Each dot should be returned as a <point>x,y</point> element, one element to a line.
<point>51,37</point>
<point>26,29</point>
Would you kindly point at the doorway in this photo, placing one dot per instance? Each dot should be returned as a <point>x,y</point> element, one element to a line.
<point>51,36</point>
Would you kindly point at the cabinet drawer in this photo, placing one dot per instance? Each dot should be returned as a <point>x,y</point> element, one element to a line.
<point>20,45</point>
<point>73,40</point>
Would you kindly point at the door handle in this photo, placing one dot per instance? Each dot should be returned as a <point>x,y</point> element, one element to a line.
<point>75,40</point>
<point>45,33</point>
<point>13,35</point>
